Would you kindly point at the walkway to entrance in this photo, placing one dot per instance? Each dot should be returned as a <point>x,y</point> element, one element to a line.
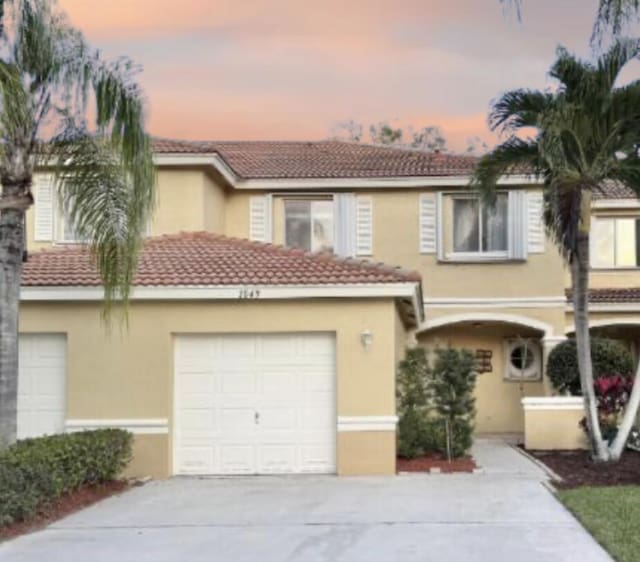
<point>495,455</point>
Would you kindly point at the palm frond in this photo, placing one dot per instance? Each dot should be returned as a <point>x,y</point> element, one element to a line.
<point>517,109</point>
<point>612,17</point>
<point>96,193</point>
<point>512,156</point>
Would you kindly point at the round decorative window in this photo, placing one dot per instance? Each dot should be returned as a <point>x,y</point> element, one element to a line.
<point>522,357</point>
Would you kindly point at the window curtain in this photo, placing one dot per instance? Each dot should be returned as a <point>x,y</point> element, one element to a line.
<point>494,228</point>
<point>465,225</point>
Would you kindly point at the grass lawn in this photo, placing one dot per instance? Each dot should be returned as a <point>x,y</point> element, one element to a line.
<point>611,514</point>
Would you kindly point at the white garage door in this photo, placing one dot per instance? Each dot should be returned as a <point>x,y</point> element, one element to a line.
<point>255,404</point>
<point>41,384</point>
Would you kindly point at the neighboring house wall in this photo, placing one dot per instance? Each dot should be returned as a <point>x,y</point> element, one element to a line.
<point>137,367</point>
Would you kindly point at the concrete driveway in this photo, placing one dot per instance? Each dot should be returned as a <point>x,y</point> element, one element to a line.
<point>503,514</point>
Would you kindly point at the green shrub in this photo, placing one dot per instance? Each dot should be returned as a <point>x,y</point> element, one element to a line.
<point>412,381</point>
<point>432,397</point>
<point>35,472</point>
<point>609,358</point>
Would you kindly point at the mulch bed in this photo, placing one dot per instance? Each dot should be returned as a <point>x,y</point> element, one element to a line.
<point>426,462</point>
<point>81,498</point>
<point>577,469</point>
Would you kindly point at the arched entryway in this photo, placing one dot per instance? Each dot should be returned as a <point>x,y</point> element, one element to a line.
<point>510,352</point>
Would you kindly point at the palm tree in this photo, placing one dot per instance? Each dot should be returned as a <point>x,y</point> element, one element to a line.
<point>612,15</point>
<point>50,81</point>
<point>587,131</point>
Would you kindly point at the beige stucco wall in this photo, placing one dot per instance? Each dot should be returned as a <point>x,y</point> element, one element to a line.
<point>187,200</point>
<point>554,430</point>
<point>129,374</point>
<point>498,401</point>
<point>151,454</point>
<point>366,453</point>
<point>214,205</point>
<point>237,214</point>
<point>396,242</point>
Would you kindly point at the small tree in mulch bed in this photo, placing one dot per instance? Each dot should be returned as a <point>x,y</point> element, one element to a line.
<point>452,385</point>
<point>435,403</point>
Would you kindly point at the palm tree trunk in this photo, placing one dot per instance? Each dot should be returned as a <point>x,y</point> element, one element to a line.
<point>580,286</point>
<point>11,251</point>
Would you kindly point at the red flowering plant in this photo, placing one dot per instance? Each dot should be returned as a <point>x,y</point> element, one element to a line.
<point>612,395</point>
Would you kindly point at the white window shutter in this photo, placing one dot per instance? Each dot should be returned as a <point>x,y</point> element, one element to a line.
<point>260,218</point>
<point>536,238</point>
<point>518,225</point>
<point>364,225</point>
<point>428,219</point>
<point>344,223</point>
<point>43,207</point>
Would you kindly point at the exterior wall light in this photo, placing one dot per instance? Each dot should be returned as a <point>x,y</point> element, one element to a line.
<point>366,337</point>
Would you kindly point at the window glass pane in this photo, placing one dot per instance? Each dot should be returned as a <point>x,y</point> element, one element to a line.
<point>466,228</point>
<point>297,224</point>
<point>494,225</point>
<point>322,226</point>
<point>625,242</point>
<point>603,233</point>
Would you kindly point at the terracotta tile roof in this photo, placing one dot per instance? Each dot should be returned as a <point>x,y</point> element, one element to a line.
<point>613,189</point>
<point>609,295</point>
<point>201,258</point>
<point>321,159</point>
<point>339,159</point>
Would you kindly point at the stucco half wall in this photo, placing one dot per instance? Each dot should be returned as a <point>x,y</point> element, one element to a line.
<point>127,373</point>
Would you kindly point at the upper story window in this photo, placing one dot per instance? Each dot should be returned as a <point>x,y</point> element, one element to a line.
<point>480,230</point>
<point>615,242</point>
<point>309,224</point>
<point>65,231</point>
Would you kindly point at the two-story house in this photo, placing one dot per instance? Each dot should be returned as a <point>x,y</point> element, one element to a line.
<point>264,331</point>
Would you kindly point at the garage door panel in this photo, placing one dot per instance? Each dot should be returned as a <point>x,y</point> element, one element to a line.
<point>234,420</point>
<point>277,385</point>
<point>236,347</point>
<point>316,458</point>
<point>276,459</point>
<point>202,419</point>
<point>287,380</point>
<point>277,418</point>
<point>197,460</point>
<point>237,459</point>
<point>238,382</point>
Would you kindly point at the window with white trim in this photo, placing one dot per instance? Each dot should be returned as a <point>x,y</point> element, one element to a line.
<point>478,230</point>
<point>615,242</point>
<point>309,224</point>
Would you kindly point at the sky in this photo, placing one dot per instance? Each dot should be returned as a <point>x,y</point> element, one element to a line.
<point>293,69</point>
